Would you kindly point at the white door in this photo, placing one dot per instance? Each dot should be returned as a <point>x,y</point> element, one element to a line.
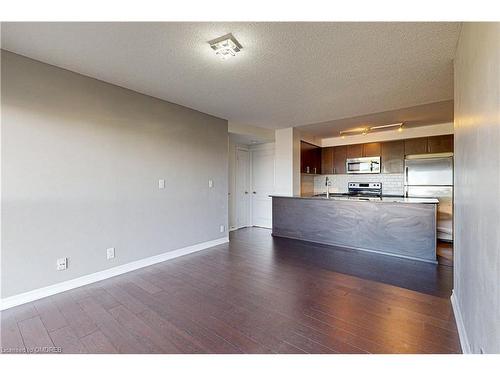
<point>242,189</point>
<point>262,186</point>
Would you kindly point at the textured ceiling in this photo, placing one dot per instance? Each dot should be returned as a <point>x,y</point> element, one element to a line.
<point>426,114</point>
<point>288,74</point>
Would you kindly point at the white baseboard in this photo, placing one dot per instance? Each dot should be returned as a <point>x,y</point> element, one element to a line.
<point>462,333</point>
<point>33,295</point>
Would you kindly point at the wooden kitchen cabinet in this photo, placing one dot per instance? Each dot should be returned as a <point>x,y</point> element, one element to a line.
<point>392,157</point>
<point>327,160</point>
<point>371,149</point>
<point>363,150</point>
<point>339,158</point>
<point>440,143</point>
<point>310,158</point>
<point>416,146</point>
<point>355,151</point>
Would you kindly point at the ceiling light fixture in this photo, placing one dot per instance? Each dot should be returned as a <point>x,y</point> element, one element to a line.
<point>365,130</point>
<point>226,46</point>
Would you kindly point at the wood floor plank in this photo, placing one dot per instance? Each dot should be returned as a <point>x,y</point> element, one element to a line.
<point>143,284</point>
<point>180,338</point>
<point>67,340</point>
<point>122,340</point>
<point>50,314</point>
<point>170,312</point>
<point>97,343</point>
<point>140,329</point>
<point>20,313</point>
<point>241,308</point>
<point>253,297</point>
<point>11,340</point>
<point>255,294</point>
<point>120,293</point>
<point>78,320</point>
<point>34,334</point>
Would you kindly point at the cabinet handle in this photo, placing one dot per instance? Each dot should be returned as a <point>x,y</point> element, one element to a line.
<point>246,192</point>
<point>255,192</point>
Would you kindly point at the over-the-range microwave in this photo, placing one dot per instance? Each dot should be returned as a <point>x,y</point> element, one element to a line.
<point>363,165</point>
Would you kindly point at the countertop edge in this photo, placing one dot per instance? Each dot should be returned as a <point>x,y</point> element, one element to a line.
<point>382,200</point>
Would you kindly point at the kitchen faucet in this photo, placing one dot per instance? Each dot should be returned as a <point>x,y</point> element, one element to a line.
<point>327,184</point>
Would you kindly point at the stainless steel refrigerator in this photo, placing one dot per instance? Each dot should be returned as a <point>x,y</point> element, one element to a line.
<point>431,175</point>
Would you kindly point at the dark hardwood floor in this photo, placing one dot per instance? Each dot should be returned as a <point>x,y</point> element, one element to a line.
<point>257,294</point>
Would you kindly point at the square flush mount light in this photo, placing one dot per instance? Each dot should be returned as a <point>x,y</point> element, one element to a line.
<point>226,46</point>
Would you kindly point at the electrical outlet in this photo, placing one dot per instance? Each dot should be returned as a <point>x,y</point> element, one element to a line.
<point>222,228</point>
<point>110,253</point>
<point>161,184</point>
<point>210,183</point>
<point>62,264</point>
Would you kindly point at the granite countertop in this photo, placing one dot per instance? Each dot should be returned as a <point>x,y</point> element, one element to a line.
<point>383,199</point>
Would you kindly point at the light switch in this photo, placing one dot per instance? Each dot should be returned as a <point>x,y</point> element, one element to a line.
<point>210,183</point>
<point>161,184</point>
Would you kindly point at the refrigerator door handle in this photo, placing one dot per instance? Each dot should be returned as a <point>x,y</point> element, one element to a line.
<point>406,181</point>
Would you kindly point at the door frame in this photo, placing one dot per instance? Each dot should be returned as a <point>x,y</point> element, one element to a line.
<point>252,149</point>
<point>235,201</point>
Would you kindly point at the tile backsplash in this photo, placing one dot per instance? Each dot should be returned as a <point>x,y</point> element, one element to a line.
<point>392,184</point>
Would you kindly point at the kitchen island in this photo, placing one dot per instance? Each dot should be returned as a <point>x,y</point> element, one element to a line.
<point>397,226</point>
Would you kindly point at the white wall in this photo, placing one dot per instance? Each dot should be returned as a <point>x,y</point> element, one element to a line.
<point>81,161</point>
<point>476,294</point>
<point>262,134</point>
<point>287,161</point>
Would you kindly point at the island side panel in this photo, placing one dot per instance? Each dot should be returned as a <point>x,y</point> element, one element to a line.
<point>402,229</point>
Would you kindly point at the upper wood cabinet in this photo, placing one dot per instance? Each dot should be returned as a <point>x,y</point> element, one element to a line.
<point>332,160</point>
<point>363,150</point>
<point>339,158</point>
<point>310,158</point>
<point>416,146</point>
<point>371,149</point>
<point>355,151</point>
<point>392,157</point>
<point>327,160</point>
<point>440,143</point>
<point>429,145</point>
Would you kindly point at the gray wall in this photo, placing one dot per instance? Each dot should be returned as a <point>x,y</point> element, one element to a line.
<point>81,161</point>
<point>477,184</point>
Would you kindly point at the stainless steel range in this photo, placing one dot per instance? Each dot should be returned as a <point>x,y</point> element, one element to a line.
<point>364,189</point>
<point>358,191</point>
